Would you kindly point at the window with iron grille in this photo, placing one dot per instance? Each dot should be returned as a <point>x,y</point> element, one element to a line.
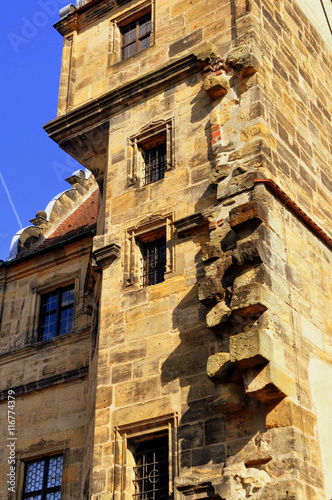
<point>56,312</point>
<point>149,251</point>
<point>43,478</point>
<point>135,35</point>
<point>151,468</point>
<point>151,153</point>
<point>154,163</point>
<point>154,261</point>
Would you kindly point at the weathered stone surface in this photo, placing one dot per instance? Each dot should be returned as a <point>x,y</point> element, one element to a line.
<point>218,315</point>
<point>243,59</point>
<point>235,185</point>
<point>240,482</point>
<point>268,383</point>
<point>258,450</point>
<point>218,366</point>
<point>218,267</point>
<point>255,347</point>
<point>290,489</point>
<point>210,291</point>
<point>216,86</point>
<point>251,299</point>
<point>248,253</point>
<point>285,413</point>
<point>211,250</point>
<point>246,212</point>
<point>229,397</point>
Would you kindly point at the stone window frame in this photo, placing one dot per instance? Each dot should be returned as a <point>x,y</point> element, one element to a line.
<point>35,304</point>
<point>44,490</point>
<point>25,456</point>
<point>120,20</point>
<point>135,160</point>
<point>148,228</point>
<point>124,460</point>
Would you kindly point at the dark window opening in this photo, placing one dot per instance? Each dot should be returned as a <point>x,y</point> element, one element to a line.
<point>136,36</point>
<point>43,478</point>
<point>155,163</point>
<point>154,260</point>
<point>151,468</point>
<point>56,313</point>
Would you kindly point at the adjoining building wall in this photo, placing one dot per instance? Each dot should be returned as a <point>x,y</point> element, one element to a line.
<point>43,386</point>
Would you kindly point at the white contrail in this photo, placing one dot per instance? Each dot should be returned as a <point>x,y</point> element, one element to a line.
<point>10,201</point>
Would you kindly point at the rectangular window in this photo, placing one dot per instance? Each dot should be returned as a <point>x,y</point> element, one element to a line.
<point>151,468</point>
<point>154,261</point>
<point>43,478</point>
<point>146,458</point>
<point>155,161</point>
<point>151,153</point>
<point>149,251</point>
<point>135,36</point>
<point>56,312</point>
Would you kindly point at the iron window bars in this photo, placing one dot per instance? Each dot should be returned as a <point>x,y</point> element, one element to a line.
<point>154,261</point>
<point>43,479</point>
<point>151,469</point>
<point>155,163</point>
<point>151,153</point>
<point>56,312</point>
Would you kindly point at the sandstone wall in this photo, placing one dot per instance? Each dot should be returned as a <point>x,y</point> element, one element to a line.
<point>221,352</point>
<point>48,379</point>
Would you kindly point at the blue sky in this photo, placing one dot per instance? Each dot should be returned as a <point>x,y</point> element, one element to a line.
<point>33,167</point>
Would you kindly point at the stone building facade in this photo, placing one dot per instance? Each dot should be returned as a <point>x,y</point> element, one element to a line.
<point>198,360</point>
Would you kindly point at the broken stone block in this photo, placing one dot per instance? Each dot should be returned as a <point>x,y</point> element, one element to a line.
<point>241,482</point>
<point>216,86</point>
<point>249,253</point>
<point>251,300</point>
<point>255,347</point>
<point>247,211</point>
<point>259,450</point>
<point>211,251</point>
<point>218,267</point>
<point>218,315</point>
<point>243,60</point>
<point>221,170</point>
<point>218,366</point>
<point>268,383</point>
<point>229,397</point>
<point>235,185</point>
<point>210,291</point>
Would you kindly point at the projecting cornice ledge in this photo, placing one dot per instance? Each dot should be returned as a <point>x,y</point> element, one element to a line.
<point>83,132</point>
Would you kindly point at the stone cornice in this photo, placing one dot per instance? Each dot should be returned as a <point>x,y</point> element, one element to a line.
<point>87,14</point>
<point>99,110</point>
<point>30,350</point>
<point>62,378</point>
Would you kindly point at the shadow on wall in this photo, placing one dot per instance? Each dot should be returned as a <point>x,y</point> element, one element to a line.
<point>207,437</point>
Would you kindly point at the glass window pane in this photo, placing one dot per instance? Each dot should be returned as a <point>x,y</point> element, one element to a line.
<point>54,472</point>
<point>48,326</point>
<point>66,321</point>
<point>67,296</point>
<point>53,496</point>
<point>49,302</point>
<point>144,24</point>
<point>129,33</point>
<point>34,476</point>
<point>145,42</point>
<point>129,51</point>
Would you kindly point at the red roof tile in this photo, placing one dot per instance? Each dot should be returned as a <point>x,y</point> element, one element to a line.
<point>82,219</point>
